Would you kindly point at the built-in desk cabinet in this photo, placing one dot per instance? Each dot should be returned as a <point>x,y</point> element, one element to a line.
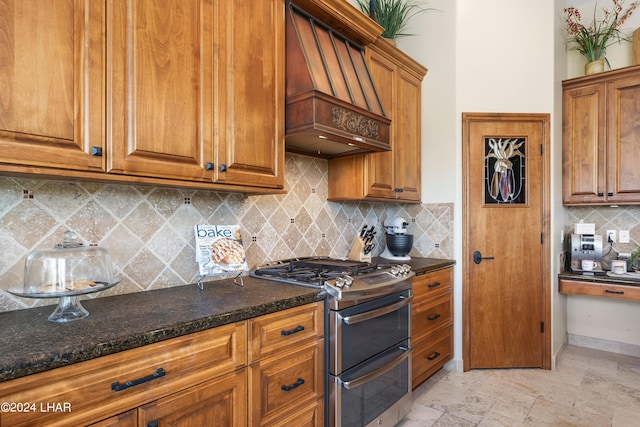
<point>247,373</point>
<point>431,324</point>
<point>600,289</point>
<point>392,175</point>
<point>601,144</point>
<point>181,93</point>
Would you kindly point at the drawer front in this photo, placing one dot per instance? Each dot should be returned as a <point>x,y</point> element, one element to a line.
<point>311,415</point>
<point>606,290</point>
<point>86,392</point>
<point>282,384</point>
<point>430,284</point>
<point>430,354</point>
<point>218,402</point>
<point>285,330</point>
<point>427,318</point>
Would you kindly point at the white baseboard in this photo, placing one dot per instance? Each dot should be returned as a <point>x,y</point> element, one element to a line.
<point>605,345</point>
<point>560,351</point>
<point>454,365</point>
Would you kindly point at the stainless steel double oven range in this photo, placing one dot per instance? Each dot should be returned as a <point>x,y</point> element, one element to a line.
<point>368,330</point>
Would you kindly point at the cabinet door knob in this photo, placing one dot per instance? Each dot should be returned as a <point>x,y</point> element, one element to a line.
<point>610,194</point>
<point>209,166</point>
<point>223,168</point>
<point>96,151</point>
<point>398,190</point>
<point>600,194</point>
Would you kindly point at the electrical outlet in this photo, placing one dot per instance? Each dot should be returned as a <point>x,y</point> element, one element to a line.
<point>624,236</point>
<point>611,236</point>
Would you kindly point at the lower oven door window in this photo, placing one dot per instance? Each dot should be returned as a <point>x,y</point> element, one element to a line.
<point>369,390</point>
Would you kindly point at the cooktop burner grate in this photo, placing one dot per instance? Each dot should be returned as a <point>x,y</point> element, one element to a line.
<point>313,270</point>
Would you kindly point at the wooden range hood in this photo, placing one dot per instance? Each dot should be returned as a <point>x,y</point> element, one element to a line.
<point>332,105</point>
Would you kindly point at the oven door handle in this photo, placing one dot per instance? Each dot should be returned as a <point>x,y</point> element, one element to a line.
<point>357,382</point>
<point>357,318</point>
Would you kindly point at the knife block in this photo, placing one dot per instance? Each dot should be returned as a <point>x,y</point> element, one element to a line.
<point>357,251</point>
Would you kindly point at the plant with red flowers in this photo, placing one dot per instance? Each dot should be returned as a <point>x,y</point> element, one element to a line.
<point>593,40</point>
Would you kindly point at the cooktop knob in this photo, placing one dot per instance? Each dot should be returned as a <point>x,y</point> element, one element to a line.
<point>340,282</point>
<point>348,280</point>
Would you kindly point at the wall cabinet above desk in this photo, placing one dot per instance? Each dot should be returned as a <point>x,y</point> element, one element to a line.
<point>601,144</point>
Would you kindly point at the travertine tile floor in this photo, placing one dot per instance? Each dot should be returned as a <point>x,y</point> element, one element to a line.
<point>587,388</point>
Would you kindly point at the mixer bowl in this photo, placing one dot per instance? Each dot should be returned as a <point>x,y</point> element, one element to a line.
<point>399,244</point>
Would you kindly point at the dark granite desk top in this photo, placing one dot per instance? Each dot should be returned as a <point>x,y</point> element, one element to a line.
<point>30,343</point>
<point>600,278</point>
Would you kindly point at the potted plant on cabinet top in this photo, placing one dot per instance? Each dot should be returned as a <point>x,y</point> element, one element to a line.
<point>592,40</point>
<point>392,15</point>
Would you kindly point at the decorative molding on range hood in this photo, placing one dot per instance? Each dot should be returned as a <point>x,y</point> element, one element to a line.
<point>343,17</point>
<point>332,105</point>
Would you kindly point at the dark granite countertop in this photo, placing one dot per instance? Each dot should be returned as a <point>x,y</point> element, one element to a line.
<point>30,343</point>
<point>426,265</point>
<point>600,278</point>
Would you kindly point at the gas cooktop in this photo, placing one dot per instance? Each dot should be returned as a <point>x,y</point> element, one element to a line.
<point>341,278</point>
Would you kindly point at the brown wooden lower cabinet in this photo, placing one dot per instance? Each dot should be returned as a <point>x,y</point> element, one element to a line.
<point>199,379</point>
<point>431,324</point>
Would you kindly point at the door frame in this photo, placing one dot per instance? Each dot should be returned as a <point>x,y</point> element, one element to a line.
<point>544,120</point>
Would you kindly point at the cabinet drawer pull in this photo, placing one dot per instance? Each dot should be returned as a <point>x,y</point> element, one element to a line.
<point>292,386</point>
<point>433,356</point>
<point>116,386</point>
<point>434,317</point>
<point>433,285</point>
<point>292,331</point>
<point>614,292</point>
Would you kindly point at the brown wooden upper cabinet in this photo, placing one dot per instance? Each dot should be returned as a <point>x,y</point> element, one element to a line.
<point>391,175</point>
<point>601,142</point>
<point>180,92</point>
<point>51,84</point>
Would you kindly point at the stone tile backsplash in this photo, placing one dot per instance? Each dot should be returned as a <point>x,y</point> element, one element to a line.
<point>608,218</point>
<point>149,230</point>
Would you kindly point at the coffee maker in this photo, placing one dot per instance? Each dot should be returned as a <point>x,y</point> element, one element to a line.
<point>586,247</point>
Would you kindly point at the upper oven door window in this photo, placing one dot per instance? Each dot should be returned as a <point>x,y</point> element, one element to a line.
<point>365,330</point>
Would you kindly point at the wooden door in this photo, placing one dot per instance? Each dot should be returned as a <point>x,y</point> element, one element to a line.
<point>506,212</point>
<point>583,136</point>
<point>623,140</point>
<point>249,130</point>
<point>52,83</point>
<point>160,108</point>
<point>218,402</point>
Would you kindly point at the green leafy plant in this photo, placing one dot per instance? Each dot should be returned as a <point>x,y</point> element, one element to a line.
<point>593,39</point>
<point>635,259</point>
<point>393,15</point>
